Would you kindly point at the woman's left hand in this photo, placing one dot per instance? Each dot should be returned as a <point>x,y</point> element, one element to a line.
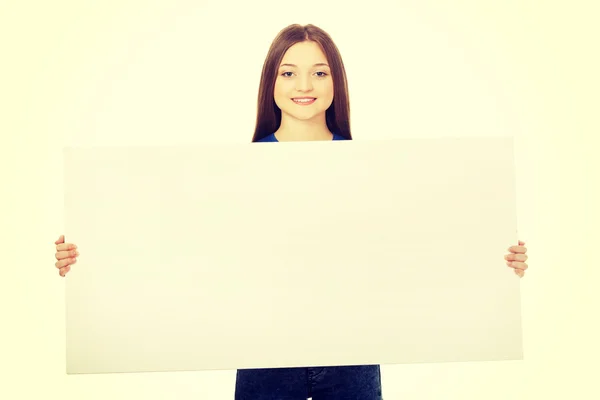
<point>516,258</point>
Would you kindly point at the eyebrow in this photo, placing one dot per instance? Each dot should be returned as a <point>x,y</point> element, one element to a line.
<point>294,65</point>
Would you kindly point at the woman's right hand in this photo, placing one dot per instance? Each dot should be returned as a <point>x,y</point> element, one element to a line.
<point>66,254</point>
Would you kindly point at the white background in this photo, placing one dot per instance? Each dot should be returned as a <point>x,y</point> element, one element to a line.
<point>133,72</point>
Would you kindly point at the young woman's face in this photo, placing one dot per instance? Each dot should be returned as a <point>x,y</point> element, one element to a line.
<point>304,88</point>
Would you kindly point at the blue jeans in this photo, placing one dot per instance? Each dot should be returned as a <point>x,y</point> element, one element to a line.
<point>361,382</point>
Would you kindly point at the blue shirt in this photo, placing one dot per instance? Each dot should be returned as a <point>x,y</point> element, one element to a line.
<point>272,138</point>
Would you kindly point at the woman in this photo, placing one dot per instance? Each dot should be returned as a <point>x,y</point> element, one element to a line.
<point>303,96</point>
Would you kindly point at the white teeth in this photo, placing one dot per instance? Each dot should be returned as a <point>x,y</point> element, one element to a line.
<point>303,100</point>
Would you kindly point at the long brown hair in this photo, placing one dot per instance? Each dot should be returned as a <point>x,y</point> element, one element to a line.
<point>268,116</point>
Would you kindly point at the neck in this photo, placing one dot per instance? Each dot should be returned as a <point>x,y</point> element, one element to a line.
<point>292,130</point>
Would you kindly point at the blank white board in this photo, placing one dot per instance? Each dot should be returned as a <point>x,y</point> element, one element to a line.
<point>231,256</point>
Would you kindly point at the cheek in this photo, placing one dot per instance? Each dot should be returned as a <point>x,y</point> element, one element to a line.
<point>328,88</point>
<point>280,89</point>
<point>329,92</point>
<point>277,89</point>
<point>279,94</point>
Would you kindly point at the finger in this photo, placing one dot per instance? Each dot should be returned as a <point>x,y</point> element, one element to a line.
<point>60,240</point>
<point>65,246</point>
<point>518,249</point>
<point>520,273</point>
<point>61,255</point>
<point>521,243</point>
<point>63,271</point>
<point>517,265</point>
<point>516,257</point>
<point>63,263</point>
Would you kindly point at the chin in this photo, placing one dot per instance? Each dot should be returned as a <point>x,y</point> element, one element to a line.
<point>307,115</point>
<point>304,115</point>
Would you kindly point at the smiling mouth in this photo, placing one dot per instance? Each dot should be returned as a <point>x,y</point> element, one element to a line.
<point>304,100</point>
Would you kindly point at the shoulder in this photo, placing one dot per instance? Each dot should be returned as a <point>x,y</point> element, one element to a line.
<point>268,138</point>
<point>338,137</point>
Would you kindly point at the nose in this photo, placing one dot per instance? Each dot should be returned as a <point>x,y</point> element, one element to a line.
<point>303,84</point>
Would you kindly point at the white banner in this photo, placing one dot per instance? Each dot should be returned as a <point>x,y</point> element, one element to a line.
<point>228,256</point>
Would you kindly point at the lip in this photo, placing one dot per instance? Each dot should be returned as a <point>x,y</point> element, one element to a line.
<point>306,103</point>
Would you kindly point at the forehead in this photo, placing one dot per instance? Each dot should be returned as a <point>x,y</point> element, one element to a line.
<point>304,54</point>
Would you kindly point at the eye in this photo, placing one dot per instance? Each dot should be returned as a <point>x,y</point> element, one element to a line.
<point>323,74</point>
<point>285,74</point>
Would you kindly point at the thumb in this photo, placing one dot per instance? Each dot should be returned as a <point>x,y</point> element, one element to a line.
<point>60,240</point>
